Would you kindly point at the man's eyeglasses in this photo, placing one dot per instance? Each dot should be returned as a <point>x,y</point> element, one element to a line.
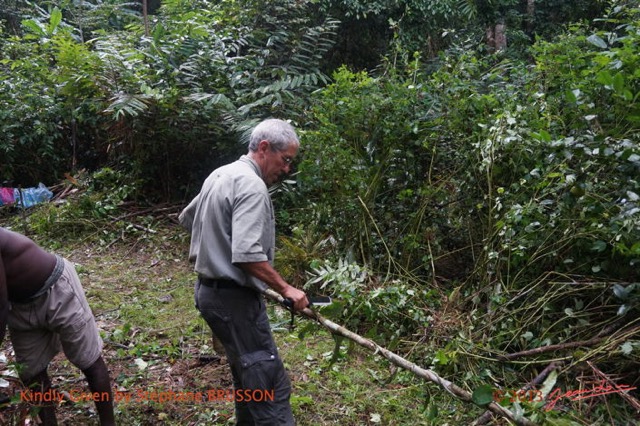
<point>287,159</point>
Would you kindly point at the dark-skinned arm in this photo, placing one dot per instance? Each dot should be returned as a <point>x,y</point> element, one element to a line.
<point>266,273</point>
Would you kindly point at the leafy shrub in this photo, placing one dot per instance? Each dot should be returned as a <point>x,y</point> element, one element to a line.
<point>525,172</point>
<point>385,311</point>
<point>166,106</point>
<point>91,213</point>
<point>363,165</point>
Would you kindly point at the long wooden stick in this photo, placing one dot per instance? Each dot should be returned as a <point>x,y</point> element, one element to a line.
<point>551,348</point>
<point>427,374</point>
<point>604,334</point>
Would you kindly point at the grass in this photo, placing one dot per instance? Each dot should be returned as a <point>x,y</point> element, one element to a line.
<point>140,290</point>
<point>140,287</point>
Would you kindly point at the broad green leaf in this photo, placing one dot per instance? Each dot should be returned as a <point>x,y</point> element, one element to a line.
<point>604,77</point>
<point>618,82</point>
<point>54,20</point>
<point>574,95</point>
<point>599,246</point>
<point>622,292</point>
<point>33,26</point>
<point>545,136</point>
<point>441,357</point>
<point>549,383</point>
<point>482,395</point>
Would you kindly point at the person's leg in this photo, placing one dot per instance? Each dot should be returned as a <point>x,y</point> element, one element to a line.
<point>72,319</point>
<point>238,317</point>
<point>265,384</point>
<point>42,384</point>
<point>243,415</point>
<point>213,310</point>
<point>98,378</point>
<point>34,346</point>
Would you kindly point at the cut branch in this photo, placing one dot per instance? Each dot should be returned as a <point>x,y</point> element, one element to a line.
<point>570,345</point>
<point>427,374</point>
<point>551,348</point>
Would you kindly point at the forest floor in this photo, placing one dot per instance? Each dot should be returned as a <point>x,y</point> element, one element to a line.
<point>163,367</point>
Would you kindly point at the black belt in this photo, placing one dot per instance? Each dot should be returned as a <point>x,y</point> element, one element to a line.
<point>218,283</point>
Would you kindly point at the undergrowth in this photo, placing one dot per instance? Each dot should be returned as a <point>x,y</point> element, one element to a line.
<point>493,341</point>
<point>140,289</point>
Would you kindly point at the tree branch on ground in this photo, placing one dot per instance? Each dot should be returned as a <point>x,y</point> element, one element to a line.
<point>427,374</point>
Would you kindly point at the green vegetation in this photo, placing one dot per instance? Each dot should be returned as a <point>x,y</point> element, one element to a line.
<point>140,290</point>
<point>475,211</point>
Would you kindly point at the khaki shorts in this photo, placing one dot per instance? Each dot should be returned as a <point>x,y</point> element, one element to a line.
<point>58,319</point>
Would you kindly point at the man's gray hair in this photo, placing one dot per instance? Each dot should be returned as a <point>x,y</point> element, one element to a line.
<point>278,133</point>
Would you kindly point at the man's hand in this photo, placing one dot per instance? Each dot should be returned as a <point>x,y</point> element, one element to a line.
<point>298,297</point>
<point>265,272</point>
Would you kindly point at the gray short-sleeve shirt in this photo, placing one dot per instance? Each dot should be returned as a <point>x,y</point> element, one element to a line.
<point>231,221</point>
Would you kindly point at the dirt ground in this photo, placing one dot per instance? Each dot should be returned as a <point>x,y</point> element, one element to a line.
<point>156,372</point>
<point>161,360</point>
<point>159,351</point>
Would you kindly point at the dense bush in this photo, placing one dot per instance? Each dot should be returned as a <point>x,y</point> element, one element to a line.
<point>166,106</point>
<point>362,161</point>
<point>526,173</point>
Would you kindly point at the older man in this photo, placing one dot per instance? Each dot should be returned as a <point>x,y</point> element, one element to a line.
<point>43,302</point>
<point>232,227</point>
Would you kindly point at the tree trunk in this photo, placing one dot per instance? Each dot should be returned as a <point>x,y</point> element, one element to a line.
<point>531,8</point>
<point>145,16</point>
<point>496,37</point>
<point>501,36</point>
<point>491,39</point>
<point>531,17</point>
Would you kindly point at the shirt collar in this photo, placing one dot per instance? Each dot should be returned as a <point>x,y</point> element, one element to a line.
<point>252,163</point>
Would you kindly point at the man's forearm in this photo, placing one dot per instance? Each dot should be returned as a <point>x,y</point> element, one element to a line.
<point>266,273</point>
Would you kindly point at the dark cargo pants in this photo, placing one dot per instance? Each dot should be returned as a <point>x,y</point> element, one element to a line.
<point>237,315</point>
